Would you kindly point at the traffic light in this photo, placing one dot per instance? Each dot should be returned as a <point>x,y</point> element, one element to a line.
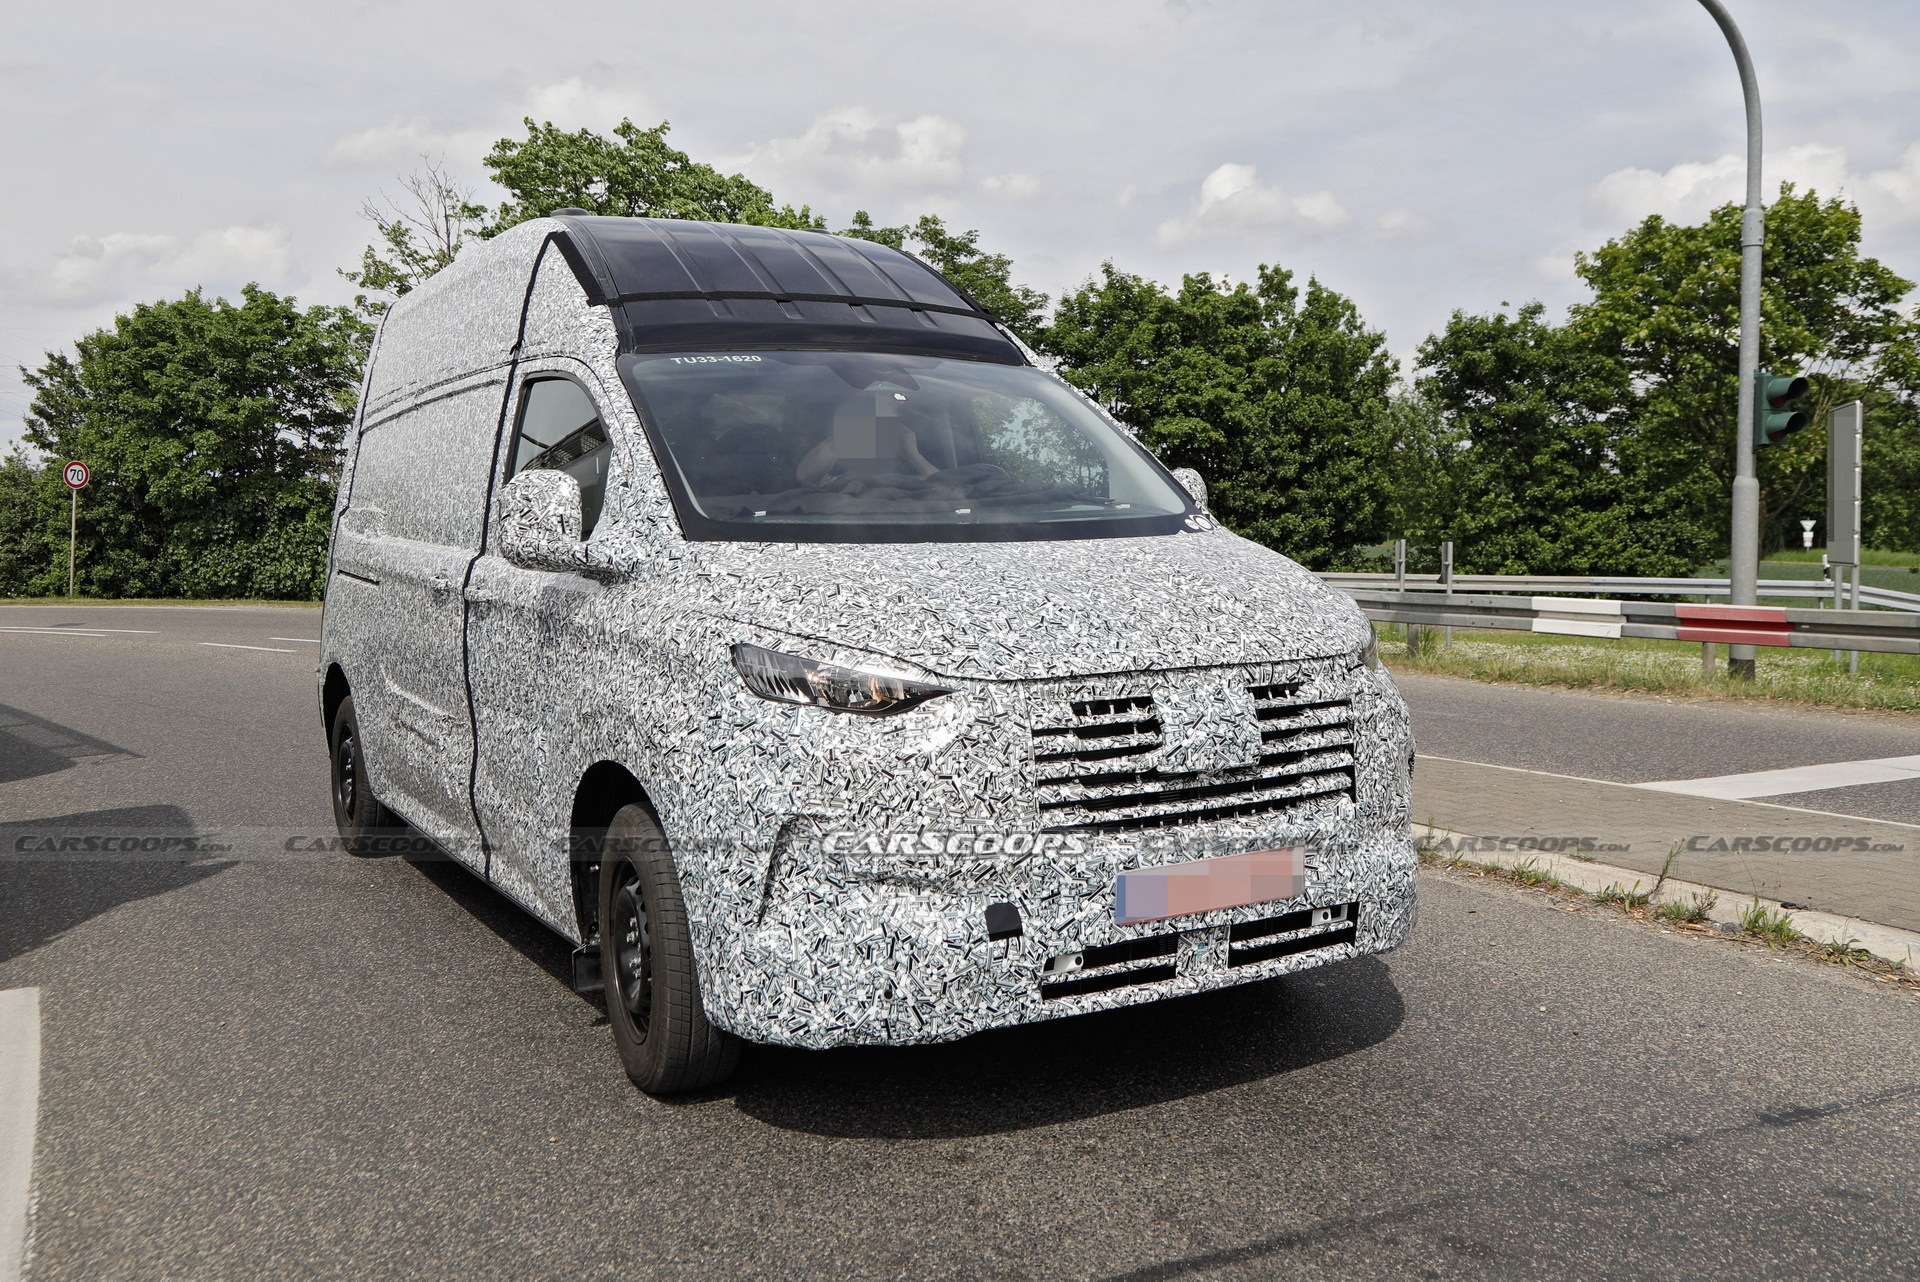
<point>1774,418</point>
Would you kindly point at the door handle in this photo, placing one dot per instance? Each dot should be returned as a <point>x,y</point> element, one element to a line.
<point>441,583</point>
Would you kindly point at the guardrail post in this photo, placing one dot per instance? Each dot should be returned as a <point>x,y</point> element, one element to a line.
<point>1446,582</point>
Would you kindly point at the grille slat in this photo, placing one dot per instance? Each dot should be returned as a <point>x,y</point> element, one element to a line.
<point>1277,711</point>
<point>1100,754</point>
<point>1307,759</point>
<point>1200,792</point>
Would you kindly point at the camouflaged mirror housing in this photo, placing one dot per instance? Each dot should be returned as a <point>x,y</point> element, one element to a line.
<point>916,668</point>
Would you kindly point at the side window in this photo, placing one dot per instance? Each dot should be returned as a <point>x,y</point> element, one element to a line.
<point>559,428</point>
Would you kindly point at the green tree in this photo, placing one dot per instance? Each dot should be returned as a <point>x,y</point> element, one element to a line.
<point>958,257</point>
<point>1666,302</point>
<point>1277,396</point>
<point>1605,444</point>
<point>26,556</point>
<point>213,430</point>
<point>1889,472</point>
<point>1427,480</point>
<point>634,174</point>
<point>1541,416</point>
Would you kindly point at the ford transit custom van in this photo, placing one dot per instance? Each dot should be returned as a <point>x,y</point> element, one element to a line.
<point>756,611</point>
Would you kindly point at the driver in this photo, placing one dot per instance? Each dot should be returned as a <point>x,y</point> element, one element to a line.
<point>868,441</point>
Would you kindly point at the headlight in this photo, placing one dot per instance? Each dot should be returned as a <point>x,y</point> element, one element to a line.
<point>1369,656</point>
<point>787,678</point>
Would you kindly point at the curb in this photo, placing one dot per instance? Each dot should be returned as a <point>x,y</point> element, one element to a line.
<point>1889,943</point>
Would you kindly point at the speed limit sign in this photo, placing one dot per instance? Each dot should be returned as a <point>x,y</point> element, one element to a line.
<point>75,474</point>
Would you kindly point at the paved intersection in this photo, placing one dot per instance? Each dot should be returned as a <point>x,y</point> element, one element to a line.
<point>323,1067</point>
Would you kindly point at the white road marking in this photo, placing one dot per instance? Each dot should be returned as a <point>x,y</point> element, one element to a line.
<point>53,632</point>
<point>19,1108</point>
<point>1773,783</point>
<point>270,649</point>
<point>1609,783</point>
<point>307,640</point>
<point>88,627</point>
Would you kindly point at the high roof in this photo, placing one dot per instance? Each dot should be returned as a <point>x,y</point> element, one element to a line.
<point>678,284</point>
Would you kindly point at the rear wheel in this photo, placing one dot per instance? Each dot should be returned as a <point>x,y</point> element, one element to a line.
<point>362,820</point>
<point>646,962</point>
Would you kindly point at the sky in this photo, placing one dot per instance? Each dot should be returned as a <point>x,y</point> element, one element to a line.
<point>1418,157</point>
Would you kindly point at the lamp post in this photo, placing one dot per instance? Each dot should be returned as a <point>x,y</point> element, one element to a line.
<point>1743,559</point>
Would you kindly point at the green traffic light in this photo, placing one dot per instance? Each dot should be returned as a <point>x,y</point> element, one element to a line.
<point>1774,418</point>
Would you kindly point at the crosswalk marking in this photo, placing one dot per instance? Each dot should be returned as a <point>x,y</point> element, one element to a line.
<point>19,1109</point>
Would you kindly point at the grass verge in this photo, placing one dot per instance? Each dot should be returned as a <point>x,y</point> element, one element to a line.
<point>152,600</point>
<point>1886,682</point>
<point>1759,926</point>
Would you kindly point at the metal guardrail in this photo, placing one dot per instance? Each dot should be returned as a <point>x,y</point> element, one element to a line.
<point>1809,589</point>
<point>1877,630</point>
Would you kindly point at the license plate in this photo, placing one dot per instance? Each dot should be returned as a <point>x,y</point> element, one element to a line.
<point>1202,885</point>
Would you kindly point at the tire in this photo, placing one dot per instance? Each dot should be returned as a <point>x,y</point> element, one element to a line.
<point>365,824</point>
<point>646,961</point>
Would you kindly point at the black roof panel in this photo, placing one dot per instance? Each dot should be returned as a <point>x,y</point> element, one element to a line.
<point>676,283</point>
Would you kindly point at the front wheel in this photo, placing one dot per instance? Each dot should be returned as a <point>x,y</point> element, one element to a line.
<point>646,961</point>
<point>363,821</point>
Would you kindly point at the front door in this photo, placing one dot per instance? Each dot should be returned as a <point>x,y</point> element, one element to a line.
<point>531,642</point>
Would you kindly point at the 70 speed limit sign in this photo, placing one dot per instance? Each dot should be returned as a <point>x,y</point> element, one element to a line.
<point>75,474</point>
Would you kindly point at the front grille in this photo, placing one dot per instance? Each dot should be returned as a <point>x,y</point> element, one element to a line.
<point>1095,769</point>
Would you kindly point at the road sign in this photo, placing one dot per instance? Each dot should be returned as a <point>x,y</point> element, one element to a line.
<point>75,474</point>
<point>1843,484</point>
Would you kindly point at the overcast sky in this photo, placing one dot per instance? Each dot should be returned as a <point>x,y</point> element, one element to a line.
<point>1417,156</point>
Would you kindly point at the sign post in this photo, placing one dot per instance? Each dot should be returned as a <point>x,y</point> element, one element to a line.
<point>1843,507</point>
<point>75,474</point>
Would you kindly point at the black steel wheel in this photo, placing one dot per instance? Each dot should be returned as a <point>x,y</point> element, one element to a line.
<point>363,821</point>
<point>654,1005</point>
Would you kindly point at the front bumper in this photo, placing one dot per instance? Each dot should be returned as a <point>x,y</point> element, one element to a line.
<point>891,962</point>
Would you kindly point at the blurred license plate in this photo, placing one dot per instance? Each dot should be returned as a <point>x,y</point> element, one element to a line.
<point>1202,885</point>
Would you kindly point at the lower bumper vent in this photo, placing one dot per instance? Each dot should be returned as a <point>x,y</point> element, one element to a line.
<point>1103,983</point>
<point>1271,937</point>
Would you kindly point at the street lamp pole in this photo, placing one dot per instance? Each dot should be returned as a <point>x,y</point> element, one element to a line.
<point>1743,561</point>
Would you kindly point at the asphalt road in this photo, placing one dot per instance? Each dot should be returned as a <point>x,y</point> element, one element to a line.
<point>316,1066</point>
<point>1643,740</point>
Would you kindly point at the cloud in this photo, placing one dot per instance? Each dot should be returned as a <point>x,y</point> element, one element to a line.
<point>1013,186</point>
<point>856,147</point>
<point>121,265</point>
<point>1690,190</point>
<point>403,140</point>
<point>571,104</point>
<point>1232,200</point>
<point>575,104</point>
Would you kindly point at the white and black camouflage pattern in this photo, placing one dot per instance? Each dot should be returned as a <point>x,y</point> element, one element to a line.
<point>813,846</point>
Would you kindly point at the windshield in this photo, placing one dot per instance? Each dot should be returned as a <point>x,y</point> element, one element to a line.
<point>869,446</point>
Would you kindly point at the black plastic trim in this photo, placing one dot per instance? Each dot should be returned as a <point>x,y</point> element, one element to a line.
<point>1106,983</point>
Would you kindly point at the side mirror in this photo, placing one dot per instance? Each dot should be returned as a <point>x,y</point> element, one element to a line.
<point>1195,487</point>
<point>540,522</point>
